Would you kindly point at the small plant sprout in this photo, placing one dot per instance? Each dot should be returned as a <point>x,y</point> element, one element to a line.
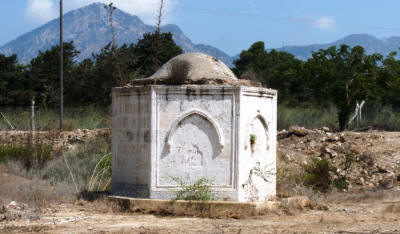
<point>252,142</point>
<point>200,190</point>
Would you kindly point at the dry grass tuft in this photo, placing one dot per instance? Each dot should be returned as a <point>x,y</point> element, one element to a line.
<point>19,185</point>
<point>47,182</point>
<point>357,196</point>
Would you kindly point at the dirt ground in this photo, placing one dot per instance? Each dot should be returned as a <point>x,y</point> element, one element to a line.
<point>369,216</point>
<point>370,205</point>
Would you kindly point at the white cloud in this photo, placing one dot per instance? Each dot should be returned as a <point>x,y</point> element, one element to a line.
<point>41,10</point>
<point>325,23</point>
<point>44,10</point>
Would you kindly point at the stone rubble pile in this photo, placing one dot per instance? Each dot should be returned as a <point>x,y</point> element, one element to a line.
<point>64,140</point>
<point>364,159</point>
<point>16,211</point>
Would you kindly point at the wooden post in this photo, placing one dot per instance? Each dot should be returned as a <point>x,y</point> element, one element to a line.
<point>359,111</point>
<point>358,114</point>
<point>33,116</point>
<point>61,66</point>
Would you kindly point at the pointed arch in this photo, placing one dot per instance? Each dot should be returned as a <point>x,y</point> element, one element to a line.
<point>264,123</point>
<point>204,115</point>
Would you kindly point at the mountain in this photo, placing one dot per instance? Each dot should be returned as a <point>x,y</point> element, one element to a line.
<point>90,30</point>
<point>370,43</point>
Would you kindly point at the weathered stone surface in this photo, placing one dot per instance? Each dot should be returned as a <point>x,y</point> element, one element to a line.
<point>164,136</point>
<point>212,209</point>
<point>202,70</point>
<point>185,133</point>
<point>298,202</point>
<point>298,131</point>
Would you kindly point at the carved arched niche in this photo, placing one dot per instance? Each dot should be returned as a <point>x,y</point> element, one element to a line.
<point>257,122</point>
<point>193,145</point>
<point>192,113</point>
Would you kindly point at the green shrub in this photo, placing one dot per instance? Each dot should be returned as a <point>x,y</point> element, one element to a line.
<point>317,174</point>
<point>340,183</point>
<point>200,190</point>
<point>87,169</point>
<point>29,154</point>
<point>345,160</point>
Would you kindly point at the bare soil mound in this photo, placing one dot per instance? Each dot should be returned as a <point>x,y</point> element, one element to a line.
<point>373,158</point>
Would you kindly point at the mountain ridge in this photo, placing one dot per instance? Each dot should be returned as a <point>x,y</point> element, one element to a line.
<point>370,43</point>
<point>89,28</point>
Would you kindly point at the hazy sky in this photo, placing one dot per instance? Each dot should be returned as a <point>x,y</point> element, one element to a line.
<point>232,25</point>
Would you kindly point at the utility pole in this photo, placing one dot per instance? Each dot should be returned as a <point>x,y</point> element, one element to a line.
<point>61,67</point>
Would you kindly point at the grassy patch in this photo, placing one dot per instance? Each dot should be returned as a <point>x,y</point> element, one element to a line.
<point>30,154</point>
<point>87,169</point>
<point>311,117</point>
<point>88,117</point>
<point>383,118</point>
<point>53,177</point>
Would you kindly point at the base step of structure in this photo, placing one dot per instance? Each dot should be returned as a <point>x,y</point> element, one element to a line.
<point>213,209</point>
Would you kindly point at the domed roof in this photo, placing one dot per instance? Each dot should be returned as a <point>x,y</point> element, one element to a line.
<point>192,68</point>
<point>200,66</point>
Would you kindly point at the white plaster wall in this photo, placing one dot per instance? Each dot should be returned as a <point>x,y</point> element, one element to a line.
<point>131,142</point>
<point>257,163</point>
<point>195,138</point>
<point>192,132</point>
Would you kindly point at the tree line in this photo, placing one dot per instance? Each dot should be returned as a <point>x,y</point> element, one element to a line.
<point>86,82</point>
<point>339,76</point>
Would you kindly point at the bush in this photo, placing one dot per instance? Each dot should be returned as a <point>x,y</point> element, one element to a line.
<point>48,178</point>
<point>200,190</point>
<point>317,174</point>
<point>340,183</point>
<point>29,154</point>
<point>87,169</point>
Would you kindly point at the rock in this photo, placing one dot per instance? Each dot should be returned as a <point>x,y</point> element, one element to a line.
<point>298,202</point>
<point>367,158</point>
<point>273,205</point>
<point>283,134</point>
<point>386,183</point>
<point>12,205</point>
<point>299,131</point>
<point>325,129</point>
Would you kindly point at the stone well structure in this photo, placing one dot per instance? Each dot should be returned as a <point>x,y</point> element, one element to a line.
<point>211,125</point>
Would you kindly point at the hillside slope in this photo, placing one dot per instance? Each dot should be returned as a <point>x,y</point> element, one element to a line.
<point>90,30</point>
